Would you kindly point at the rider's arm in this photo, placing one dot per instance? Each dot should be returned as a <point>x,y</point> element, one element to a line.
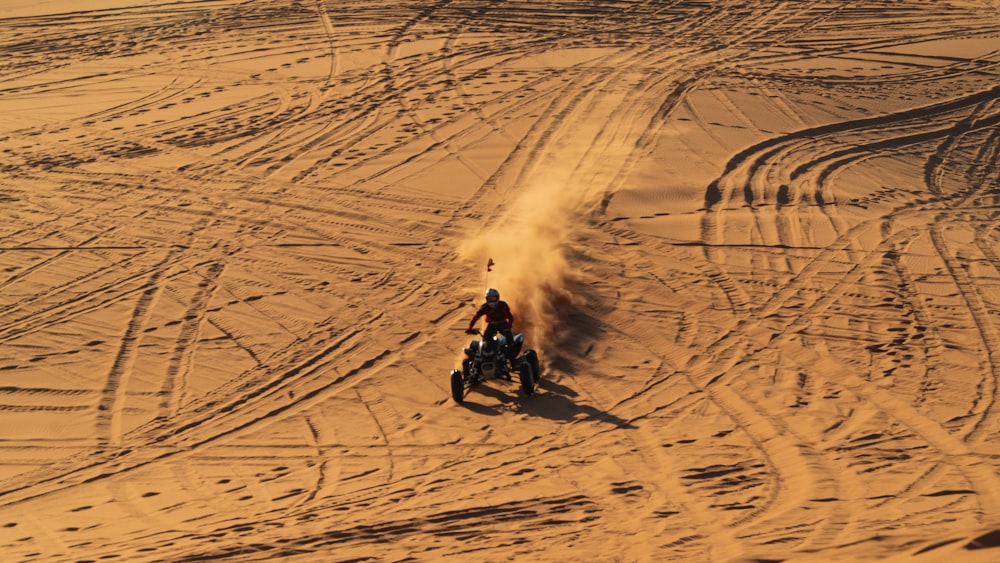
<point>476,317</point>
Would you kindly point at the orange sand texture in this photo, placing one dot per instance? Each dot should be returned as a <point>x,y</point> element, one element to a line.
<point>756,245</point>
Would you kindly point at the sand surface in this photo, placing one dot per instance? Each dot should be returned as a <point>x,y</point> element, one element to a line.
<point>756,245</point>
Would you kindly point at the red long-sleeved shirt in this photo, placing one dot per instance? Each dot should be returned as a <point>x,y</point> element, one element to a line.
<point>494,315</point>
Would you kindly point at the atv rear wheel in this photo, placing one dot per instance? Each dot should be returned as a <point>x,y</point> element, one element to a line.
<point>457,386</point>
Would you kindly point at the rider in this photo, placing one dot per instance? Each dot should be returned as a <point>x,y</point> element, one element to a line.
<point>498,319</point>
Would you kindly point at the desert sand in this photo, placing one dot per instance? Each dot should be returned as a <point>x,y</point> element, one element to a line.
<point>755,244</point>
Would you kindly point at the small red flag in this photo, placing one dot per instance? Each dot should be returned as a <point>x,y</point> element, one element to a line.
<point>489,265</point>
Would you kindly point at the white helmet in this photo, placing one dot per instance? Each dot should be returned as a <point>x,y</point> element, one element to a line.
<point>492,295</point>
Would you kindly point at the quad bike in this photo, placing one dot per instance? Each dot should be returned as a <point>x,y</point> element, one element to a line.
<point>485,359</point>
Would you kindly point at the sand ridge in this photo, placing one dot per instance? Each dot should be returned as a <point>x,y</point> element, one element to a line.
<point>754,243</point>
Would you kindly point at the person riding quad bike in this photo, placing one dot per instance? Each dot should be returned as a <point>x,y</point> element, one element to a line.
<point>498,319</point>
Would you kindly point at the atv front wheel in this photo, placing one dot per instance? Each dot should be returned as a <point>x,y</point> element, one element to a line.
<point>531,357</point>
<point>457,386</point>
<point>527,379</point>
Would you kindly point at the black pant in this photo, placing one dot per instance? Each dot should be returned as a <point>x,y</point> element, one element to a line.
<point>492,329</point>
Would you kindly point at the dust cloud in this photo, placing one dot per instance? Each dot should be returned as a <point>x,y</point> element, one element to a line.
<point>530,247</point>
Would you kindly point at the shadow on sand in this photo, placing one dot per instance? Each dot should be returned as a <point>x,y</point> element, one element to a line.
<point>552,400</point>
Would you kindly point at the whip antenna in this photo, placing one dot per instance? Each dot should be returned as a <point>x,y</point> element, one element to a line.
<point>489,268</point>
